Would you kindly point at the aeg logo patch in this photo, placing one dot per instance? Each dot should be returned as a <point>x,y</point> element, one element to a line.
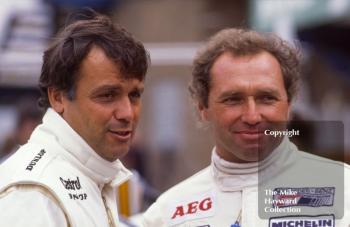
<point>194,207</point>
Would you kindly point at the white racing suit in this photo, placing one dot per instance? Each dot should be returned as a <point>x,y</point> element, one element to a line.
<point>295,189</point>
<point>57,180</point>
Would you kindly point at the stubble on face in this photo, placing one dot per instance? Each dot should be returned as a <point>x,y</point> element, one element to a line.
<point>105,110</point>
<point>247,95</point>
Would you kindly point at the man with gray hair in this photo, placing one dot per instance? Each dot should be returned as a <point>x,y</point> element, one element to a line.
<point>243,84</point>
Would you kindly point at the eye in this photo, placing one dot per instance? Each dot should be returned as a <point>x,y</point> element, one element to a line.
<point>106,96</point>
<point>135,95</point>
<point>233,100</point>
<point>267,99</point>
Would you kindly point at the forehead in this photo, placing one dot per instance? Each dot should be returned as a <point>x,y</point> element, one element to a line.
<point>260,69</point>
<point>97,61</point>
<point>97,68</point>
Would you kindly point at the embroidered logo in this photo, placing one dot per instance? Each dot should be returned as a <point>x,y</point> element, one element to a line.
<point>303,221</point>
<point>35,160</point>
<point>73,185</point>
<point>312,197</point>
<point>195,207</point>
<point>82,196</point>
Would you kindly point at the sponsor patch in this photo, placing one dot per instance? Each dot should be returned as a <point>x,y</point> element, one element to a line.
<point>35,160</point>
<point>303,221</point>
<point>194,207</point>
<point>311,197</point>
<point>73,185</point>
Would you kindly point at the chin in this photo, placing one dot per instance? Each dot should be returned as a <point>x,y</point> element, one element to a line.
<point>113,155</point>
<point>250,153</point>
<point>252,158</point>
<point>122,153</point>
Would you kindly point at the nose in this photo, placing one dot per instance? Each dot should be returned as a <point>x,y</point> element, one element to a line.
<point>251,115</point>
<point>124,110</point>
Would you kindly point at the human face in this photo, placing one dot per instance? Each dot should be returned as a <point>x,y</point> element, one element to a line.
<point>247,95</point>
<point>106,106</point>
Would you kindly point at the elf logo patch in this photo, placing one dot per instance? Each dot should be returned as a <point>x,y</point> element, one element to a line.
<point>195,207</point>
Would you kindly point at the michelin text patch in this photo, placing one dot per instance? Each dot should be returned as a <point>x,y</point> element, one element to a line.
<point>303,221</point>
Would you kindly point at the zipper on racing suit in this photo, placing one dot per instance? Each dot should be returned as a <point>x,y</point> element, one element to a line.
<point>109,213</point>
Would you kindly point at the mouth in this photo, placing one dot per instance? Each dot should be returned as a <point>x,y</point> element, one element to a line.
<point>121,135</point>
<point>250,134</point>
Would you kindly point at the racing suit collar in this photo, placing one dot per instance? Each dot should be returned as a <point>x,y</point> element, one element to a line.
<point>55,130</point>
<point>231,176</point>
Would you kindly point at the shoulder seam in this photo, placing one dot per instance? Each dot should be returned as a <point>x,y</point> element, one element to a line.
<point>41,189</point>
<point>321,159</point>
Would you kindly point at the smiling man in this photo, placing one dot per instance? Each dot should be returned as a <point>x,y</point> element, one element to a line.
<point>243,84</point>
<point>66,175</point>
<point>247,94</point>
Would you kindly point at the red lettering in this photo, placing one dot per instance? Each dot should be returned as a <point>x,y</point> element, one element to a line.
<point>205,204</point>
<point>192,207</point>
<point>179,212</point>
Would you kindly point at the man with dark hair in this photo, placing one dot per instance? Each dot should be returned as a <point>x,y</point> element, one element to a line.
<point>243,83</point>
<point>66,175</point>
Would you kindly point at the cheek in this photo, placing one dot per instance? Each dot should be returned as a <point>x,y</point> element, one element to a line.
<point>284,110</point>
<point>279,112</point>
<point>224,118</point>
<point>98,116</point>
<point>136,112</point>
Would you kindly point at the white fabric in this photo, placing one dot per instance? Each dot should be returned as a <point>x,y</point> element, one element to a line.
<point>59,160</point>
<point>234,187</point>
<point>48,214</point>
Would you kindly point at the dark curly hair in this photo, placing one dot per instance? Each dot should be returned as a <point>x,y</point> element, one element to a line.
<point>242,42</point>
<point>61,61</point>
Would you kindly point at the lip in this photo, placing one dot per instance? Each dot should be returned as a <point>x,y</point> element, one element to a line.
<point>250,134</point>
<point>121,135</point>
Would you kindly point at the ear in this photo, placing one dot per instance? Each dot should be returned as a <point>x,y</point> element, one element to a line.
<point>56,99</point>
<point>203,112</point>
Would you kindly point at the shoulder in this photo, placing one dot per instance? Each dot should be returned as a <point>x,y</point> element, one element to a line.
<point>324,170</point>
<point>322,161</point>
<point>36,164</point>
<point>202,181</point>
<point>29,160</point>
<point>189,196</point>
<point>320,169</point>
<point>33,208</point>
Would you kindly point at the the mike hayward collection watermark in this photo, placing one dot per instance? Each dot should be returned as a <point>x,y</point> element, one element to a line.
<point>282,201</point>
<point>277,133</point>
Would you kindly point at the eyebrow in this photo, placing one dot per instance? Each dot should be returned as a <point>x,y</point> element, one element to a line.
<point>269,91</point>
<point>140,88</point>
<point>106,87</point>
<point>115,88</point>
<point>264,91</point>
